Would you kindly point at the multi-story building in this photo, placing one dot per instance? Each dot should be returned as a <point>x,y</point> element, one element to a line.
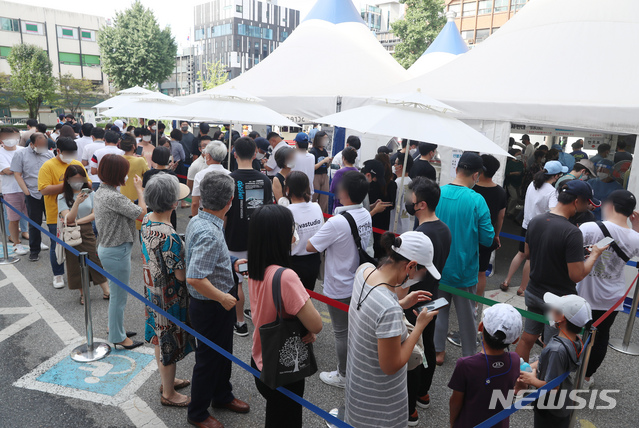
<point>379,17</point>
<point>372,16</point>
<point>478,19</point>
<point>183,81</point>
<point>240,33</point>
<point>69,38</point>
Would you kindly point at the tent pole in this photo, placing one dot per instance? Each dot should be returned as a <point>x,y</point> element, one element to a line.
<point>398,209</point>
<point>230,140</point>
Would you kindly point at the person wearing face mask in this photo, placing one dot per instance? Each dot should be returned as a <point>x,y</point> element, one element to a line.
<point>555,248</point>
<point>199,163</point>
<point>25,166</point>
<point>111,140</point>
<point>349,155</point>
<point>51,184</point>
<point>541,196</point>
<point>188,140</point>
<point>214,154</point>
<point>513,179</point>
<point>421,166</point>
<point>146,146</point>
<point>11,191</point>
<point>424,198</point>
<point>261,153</point>
<point>97,135</point>
<point>285,159</point>
<point>77,207</point>
<point>277,143</point>
<point>582,170</point>
<point>379,344</point>
<point>304,161</point>
<point>466,214</point>
<point>406,220</point>
<point>322,164</point>
<point>604,184</point>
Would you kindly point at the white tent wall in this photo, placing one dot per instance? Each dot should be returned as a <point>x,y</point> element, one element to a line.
<point>497,131</point>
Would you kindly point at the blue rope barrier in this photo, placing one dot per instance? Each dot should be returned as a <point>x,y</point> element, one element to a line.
<point>310,406</point>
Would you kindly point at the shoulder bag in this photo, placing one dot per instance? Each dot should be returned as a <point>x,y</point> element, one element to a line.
<point>285,358</point>
<point>364,257</point>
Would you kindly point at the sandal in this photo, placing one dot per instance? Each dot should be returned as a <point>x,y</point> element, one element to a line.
<point>82,300</point>
<point>169,403</point>
<point>520,292</point>
<point>183,383</point>
<point>106,296</point>
<point>503,286</point>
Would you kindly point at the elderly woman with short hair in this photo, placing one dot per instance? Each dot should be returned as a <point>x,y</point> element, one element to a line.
<point>214,154</point>
<point>164,272</point>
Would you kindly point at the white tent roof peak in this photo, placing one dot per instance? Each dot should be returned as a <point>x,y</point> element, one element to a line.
<point>135,90</point>
<point>226,92</point>
<point>335,11</point>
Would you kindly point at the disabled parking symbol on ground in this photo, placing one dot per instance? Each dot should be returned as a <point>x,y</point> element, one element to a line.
<point>110,380</point>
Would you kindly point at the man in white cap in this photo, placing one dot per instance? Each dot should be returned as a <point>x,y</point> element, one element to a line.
<point>477,377</point>
<point>120,125</point>
<point>569,314</point>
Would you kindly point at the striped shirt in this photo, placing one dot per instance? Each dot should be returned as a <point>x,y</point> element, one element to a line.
<point>373,398</point>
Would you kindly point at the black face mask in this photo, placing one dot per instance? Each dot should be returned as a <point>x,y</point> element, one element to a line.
<point>410,208</point>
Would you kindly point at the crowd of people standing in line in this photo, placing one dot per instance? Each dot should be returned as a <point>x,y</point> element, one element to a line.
<point>249,224</point>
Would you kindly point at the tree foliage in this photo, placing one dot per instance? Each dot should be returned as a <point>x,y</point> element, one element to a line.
<point>215,75</point>
<point>423,21</point>
<point>135,51</point>
<point>73,92</point>
<point>31,76</point>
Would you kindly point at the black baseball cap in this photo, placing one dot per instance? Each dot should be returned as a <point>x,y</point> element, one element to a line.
<point>273,134</point>
<point>624,201</point>
<point>525,137</point>
<point>471,161</point>
<point>262,144</point>
<point>581,189</point>
<point>383,149</point>
<point>376,169</point>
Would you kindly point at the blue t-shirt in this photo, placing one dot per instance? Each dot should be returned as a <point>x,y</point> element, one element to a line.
<point>466,214</point>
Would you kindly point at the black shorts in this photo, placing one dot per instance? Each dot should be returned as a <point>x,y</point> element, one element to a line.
<point>484,256</point>
<point>522,244</point>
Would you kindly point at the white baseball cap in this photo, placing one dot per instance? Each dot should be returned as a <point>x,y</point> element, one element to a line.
<point>575,308</point>
<point>505,318</point>
<point>417,246</point>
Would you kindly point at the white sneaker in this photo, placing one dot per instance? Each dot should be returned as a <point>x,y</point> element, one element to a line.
<point>20,250</point>
<point>333,412</point>
<point>588,384</point>
<point>333,379</point>
<point>58,281</point>
<point>43,246</point>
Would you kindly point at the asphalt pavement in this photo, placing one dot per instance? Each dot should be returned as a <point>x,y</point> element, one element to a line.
<point>39,325</point>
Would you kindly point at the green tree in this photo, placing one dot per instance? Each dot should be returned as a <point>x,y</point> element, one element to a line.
<point>423,21</point>
<point>31,76</point>
<point>135,51</point>
<point>73,92</point>
<point>216,74</point>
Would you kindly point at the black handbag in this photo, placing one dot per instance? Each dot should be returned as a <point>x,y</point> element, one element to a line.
<point>285,358</point>
<point>361,252</point>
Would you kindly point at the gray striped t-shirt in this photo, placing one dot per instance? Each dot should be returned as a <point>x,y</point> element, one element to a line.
<point>373,398</point>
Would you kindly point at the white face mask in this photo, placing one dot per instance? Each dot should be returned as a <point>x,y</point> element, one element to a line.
<point>126,178</point>
<point>290,165</point>
<point>66,159</point>
<point>412,152</point>
<point>40,150</point>
<point>155,128</point>
<point>259,156</point>
<point>409,283</point>
<point>11,142</point>
<point>296,239</point>
<point>602,175</point>
<point>146,138</point>
<point>551,321</point>
<point>76,185</point>
<point>324,142</point>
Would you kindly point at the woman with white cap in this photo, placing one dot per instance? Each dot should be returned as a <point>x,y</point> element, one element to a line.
<point>379,345</point>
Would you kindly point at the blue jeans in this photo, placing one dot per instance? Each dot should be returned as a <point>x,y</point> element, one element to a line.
<point>58,269</point>
<point>24,224</point>
<point>117,262</point>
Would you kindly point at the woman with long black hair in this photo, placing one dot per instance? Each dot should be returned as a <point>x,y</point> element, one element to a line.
<point>322,164</point>
<point>271,235</point>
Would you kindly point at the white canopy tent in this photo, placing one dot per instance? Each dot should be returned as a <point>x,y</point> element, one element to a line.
<point>560,63</point>
<point>123,97</point>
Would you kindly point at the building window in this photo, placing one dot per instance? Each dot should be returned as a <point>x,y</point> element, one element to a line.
<point>255,31</point>
<point>4,51</point>
<point>456,8</point>
<point>238,8</point>
<point>32,28</point>
<point>485,7</point>
<point>9,24</point>
<point>199,34</point>
<point>468,35</point>
<point>482,35</point>
<point>69,58</point>
<point>91,60</point>
<point>501,5</point>
<point>283,36</point>
<point>67,33</point>
<point>87,35</point>
<point>518,4</point>
<point>470,9</point>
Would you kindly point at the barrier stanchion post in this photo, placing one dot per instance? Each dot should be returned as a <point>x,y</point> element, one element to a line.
<point>5,260</point>
<point>624,346</point>
<point>89,351</point>
<point>581,371</point>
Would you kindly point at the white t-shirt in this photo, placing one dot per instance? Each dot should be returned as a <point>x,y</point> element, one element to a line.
<point>271,161</point>
<point>100,153</point>
<point>9,183</point>
<point>529,154</point>
<point>82,143</point>
<point>200,175</point>
<point>309,219</point>
<point>87,154</point>
<point>198,165</point>
<point>538,201</point>
<point>406,221</point>
<point>339,161</point>
<point>605,284</point>
<point>342,258</point>
<point>305,162</point>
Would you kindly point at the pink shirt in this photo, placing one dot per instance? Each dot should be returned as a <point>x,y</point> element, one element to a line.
<point>294,297</point>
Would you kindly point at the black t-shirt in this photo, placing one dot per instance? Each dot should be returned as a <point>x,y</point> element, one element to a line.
<point>382,220</point>
<point>622,156</point>
<point>150,173</point>
<point>495,199</point>
<point>252,190</point>
<point>441,238</point>
<point>320,155</point>
<point>422,168</point>
<point>554,242</point>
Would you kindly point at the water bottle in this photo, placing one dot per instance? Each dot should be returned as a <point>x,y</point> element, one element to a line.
<point>524,366</point>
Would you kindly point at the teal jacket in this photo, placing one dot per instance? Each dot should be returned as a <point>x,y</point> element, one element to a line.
<point>467,216</point>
